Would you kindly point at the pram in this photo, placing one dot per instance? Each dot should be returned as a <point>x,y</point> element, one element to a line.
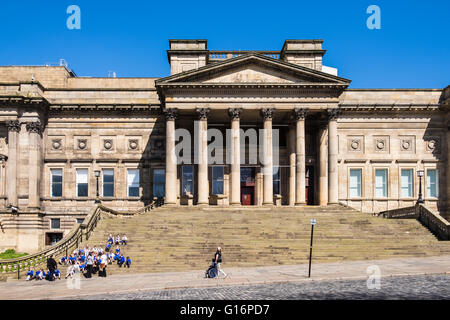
<point>211,272</point>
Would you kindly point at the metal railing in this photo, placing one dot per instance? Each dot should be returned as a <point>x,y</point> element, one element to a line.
<point>228,54</point>
<point>70,241</point>
<point>430,219</point>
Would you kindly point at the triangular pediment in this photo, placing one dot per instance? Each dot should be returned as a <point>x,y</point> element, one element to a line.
<point>253,68</point>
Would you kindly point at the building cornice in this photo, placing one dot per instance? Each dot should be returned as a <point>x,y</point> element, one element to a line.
<point>389,107</point>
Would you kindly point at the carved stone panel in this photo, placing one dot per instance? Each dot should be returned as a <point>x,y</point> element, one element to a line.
<point>56,144</point>
<point>82,143</point>
<point>355,144</point>
<point>407,144</point>
<point>134,144</point>
<point>432,144</point>
<point>381,144</point>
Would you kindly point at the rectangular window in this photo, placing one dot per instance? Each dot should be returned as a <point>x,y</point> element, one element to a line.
<point>276,180</point>
<point>355,183</point>
<point>55,223</point>
<point>432,183</point>
<point>82,182</point>
<point>381,183</point>
<point>133,183</point>
<point>80,220</point>
<point>217,177</point>
<point>108,183</point>
<point>407,183</point>
<point>187,180</point>
<point>159,181</point>
<point>56,182</point>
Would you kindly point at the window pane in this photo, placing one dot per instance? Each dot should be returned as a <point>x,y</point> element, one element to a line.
<point>133,191</point>
<point>55,223</point>
<point>432,183</point>
<point>108,176</point>
<point>355,183</point>
<point>82,182</point>
<point>56,182</point>
<point>133,183</point>
<point>380,183</point>
<point>217,187</point>
<point>406,183</point>
<point>159,183</point>
<point>82,175</point>
<point>108,183</point>
<point>82,190</point>
<point>188,180</point>
<point>276,180</point>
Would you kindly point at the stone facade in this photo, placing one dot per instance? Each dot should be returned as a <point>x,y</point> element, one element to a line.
<point>336,145</point>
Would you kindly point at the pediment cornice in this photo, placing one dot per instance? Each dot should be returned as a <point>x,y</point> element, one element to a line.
<point>308,76</point>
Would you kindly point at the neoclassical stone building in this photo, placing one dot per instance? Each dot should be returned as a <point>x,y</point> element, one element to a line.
<point>359,147</point>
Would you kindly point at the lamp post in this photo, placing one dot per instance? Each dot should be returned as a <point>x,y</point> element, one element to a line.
<point>420,175</point>
<point>313,222</point>
<point>97,175</point>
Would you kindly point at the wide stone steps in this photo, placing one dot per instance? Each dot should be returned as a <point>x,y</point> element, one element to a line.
<point>180,238</point>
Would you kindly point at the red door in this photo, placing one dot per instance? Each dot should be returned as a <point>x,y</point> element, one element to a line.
<point>247,196</point>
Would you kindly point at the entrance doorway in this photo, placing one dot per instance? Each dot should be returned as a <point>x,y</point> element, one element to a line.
<point>309,183</point>
<point>52,238</point>
<point>248,186</point>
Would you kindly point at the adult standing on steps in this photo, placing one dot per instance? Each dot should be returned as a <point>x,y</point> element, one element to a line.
<point>89,264</point>
<point>218,261</point>
<point>52,266</point>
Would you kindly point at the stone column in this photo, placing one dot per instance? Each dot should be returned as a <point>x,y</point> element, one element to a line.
<point>323,166</point>
<point>333,179</point>
<point>292,168</point>
<point>267,157</point>
<point>34,167</point>
<point>235,190</point>
<point>13,163</point>
<point>171,159</point>
<point>300,115</point>
<point>202,156</point>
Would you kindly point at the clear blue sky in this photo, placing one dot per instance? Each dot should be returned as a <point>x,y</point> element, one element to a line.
<point>411,50</point>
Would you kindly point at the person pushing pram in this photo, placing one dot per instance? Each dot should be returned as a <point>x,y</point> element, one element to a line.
<point>215,268</point>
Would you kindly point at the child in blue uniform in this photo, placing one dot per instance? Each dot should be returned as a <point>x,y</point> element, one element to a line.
<point>30,274</point>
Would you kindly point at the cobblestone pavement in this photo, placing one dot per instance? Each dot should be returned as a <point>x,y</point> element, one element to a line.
<point>408,287</point>
<point>243,283</point>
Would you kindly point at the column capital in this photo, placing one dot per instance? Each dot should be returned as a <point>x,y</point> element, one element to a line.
<point>300,113</point>
<point>235,113</point>
<point>333,114</point>
<point>202,113</point>
<point>170,113</point>
<point>267,113</point>
<point>34,127</point>
<point>13,125</point>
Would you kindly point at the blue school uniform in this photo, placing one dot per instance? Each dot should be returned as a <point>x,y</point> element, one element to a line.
<point>30,273</point>
<point>57,273</point>
<point>118,250</point>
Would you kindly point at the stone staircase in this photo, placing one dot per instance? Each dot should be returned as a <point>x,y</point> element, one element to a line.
<point>185,238</point>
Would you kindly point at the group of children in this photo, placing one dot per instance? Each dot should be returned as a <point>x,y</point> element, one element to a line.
<point>88,260</point>
<point>40,274</point>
